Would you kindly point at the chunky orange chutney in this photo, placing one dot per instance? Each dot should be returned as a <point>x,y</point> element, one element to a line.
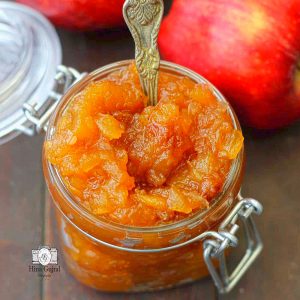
<point>144,165</point>
<point>140,178</point>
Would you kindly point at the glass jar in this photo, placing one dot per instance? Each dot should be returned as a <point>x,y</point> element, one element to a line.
<point>114,257</point>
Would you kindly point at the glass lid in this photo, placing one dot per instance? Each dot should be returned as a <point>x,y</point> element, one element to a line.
<point>30,53</point>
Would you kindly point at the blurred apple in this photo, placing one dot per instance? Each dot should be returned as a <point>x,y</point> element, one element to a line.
<point>249,49</point>
<point>80,14</point>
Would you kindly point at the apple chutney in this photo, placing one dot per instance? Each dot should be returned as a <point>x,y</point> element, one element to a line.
<point>126,175</point>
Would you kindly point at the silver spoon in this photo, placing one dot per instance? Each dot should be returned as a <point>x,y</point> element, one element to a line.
<point>143,18</point>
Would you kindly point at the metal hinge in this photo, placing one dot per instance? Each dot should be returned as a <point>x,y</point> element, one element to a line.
<point>214,248</point>
<point>37,119</point>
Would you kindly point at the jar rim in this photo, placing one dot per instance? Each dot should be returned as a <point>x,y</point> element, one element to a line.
<point>233,174</point>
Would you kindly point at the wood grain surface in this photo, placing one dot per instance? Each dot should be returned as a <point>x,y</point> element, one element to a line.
<point>27,221</point>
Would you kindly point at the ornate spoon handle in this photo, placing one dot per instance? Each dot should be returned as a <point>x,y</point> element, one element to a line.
<point>143,18</point>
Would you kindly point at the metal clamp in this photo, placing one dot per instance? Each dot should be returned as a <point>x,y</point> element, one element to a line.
<point>214,248</point>
<point>38,118</point>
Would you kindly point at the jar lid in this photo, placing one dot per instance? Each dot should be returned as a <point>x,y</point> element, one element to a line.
<point>30,52</point>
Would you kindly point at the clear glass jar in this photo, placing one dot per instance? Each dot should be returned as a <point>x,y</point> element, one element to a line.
<point>113,257</point>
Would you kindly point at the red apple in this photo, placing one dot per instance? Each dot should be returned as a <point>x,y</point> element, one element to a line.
<point>249,49</point>
<point>80,14</point>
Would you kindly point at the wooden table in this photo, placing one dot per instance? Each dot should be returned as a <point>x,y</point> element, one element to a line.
<point>26,216</point>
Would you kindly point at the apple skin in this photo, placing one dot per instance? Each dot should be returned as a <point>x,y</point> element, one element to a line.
<point>80,14</point>
<point>248,49</point>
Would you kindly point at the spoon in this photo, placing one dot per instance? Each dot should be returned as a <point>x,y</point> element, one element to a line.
<point>143,18</point>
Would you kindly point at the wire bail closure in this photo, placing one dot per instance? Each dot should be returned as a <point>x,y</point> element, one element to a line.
<point>38,119</point>
<point>214,248</point>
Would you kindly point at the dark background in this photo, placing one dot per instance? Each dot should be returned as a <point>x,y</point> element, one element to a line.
<point>26,217</point>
